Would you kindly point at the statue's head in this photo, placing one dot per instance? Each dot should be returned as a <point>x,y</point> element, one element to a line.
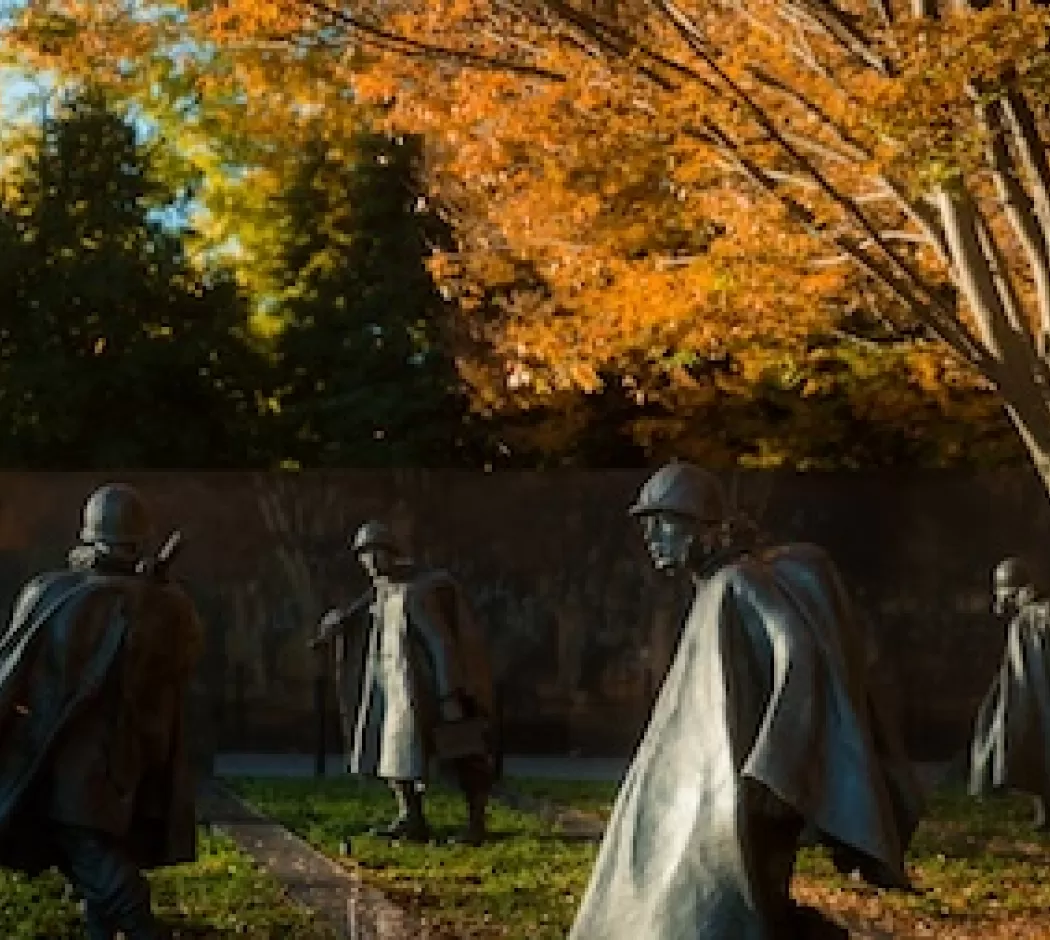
<point>1012,586</point>
<point>115,521</point>
<point>684,514</point>
<point>376,548</point>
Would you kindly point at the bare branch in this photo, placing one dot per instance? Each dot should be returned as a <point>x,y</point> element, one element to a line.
<point>848,143</point>
<point>1031,155</point>
<point>972,268</point>
<point>836,24</point>
<point>1017,204</point>
<point>902,269</point>
<point>817,148</point>
<point>413,48</point>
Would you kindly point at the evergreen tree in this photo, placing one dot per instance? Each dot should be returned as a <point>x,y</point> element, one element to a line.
<point>368,379</point>
<point>114,352</point>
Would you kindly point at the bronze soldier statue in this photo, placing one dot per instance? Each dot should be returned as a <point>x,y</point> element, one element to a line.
<point>764,727</point>
<point>94,668</point>
<point>414,683</point>
<point>1011,741</point>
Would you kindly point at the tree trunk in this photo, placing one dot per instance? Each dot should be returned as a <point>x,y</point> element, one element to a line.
<point>1026,405</point>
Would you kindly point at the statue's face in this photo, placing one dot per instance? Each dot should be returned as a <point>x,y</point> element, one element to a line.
<point>1007,596</point>
<point>669,538</point>
<point>377,561</point>
<point>1002,599</point>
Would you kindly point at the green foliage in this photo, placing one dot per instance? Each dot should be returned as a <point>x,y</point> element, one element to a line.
<point>221,895</point>
<point>114,351</point>
<point>367,379</point>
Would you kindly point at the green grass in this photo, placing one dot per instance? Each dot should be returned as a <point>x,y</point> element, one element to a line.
<point>978,868</point>
<point>221,895</point>
<point>525,882</point>
<point>586,796</point>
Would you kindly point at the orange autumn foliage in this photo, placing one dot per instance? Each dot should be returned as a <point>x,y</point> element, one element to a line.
<point>647,180</point>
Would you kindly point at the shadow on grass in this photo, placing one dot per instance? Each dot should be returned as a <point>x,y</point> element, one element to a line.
<point>220,896</point>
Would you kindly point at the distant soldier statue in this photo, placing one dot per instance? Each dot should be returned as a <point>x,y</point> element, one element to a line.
<point>1011,740</point>
<point>764,728</point>
<point>414,684</point>
<point>94,668</point>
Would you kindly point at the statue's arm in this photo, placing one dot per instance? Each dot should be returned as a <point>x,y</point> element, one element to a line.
<point>427,621</point>
<point>336,620</point>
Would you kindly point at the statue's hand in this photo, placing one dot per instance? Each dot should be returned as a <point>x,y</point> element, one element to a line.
<point>332,619</point>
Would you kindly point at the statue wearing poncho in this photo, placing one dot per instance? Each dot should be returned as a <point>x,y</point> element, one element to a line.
<point>765,726</point>
<point>1011,741</point>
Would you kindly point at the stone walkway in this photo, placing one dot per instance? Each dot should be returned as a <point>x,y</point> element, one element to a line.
<point>340,900</point>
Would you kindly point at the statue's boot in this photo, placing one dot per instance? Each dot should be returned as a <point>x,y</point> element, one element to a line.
<point>476,830</point>
<point>410,824</point>
<point>475,780</point>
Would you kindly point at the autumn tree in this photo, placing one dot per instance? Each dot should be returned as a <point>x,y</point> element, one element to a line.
<point>673,176</point>
<point>907,139</point>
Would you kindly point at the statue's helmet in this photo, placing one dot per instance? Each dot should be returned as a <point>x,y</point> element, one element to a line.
<point>685,490</point>
<point>115,515</point>
<point>373,534</point>
<point>1012,574</point>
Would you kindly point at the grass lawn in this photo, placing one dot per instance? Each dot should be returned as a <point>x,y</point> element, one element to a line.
<point>221,895</point>
<point>526,882</point>
<point>979,871</point>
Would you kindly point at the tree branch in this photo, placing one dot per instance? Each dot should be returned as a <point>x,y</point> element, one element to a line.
<point>1032,156</point>
<point>835,23</point>
<point>972,269</point>
<point>694,38</point>
<point>413,48</point>
<point>1017,204</point>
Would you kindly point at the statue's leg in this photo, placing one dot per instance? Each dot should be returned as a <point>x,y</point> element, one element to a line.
<point>116,895</point>
<point>774,834</point>
<point>411,823</point>
<point>1039,817</point>
<point>474,775</point>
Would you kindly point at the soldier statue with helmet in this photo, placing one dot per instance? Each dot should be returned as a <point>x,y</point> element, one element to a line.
<point>765,728</point>
<point>1010,749</point>
<point>94,668</point>
<point>414,684</point>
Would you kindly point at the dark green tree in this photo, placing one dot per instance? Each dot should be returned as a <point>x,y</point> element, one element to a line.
<point>364,351</point>
<point>114,350</point>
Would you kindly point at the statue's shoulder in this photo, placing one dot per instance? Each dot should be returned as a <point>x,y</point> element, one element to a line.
<point>1037,613</point>
<point>44,588</point>
<point>795,562</point>
<point>432,579</point>
<point>798,553</point>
